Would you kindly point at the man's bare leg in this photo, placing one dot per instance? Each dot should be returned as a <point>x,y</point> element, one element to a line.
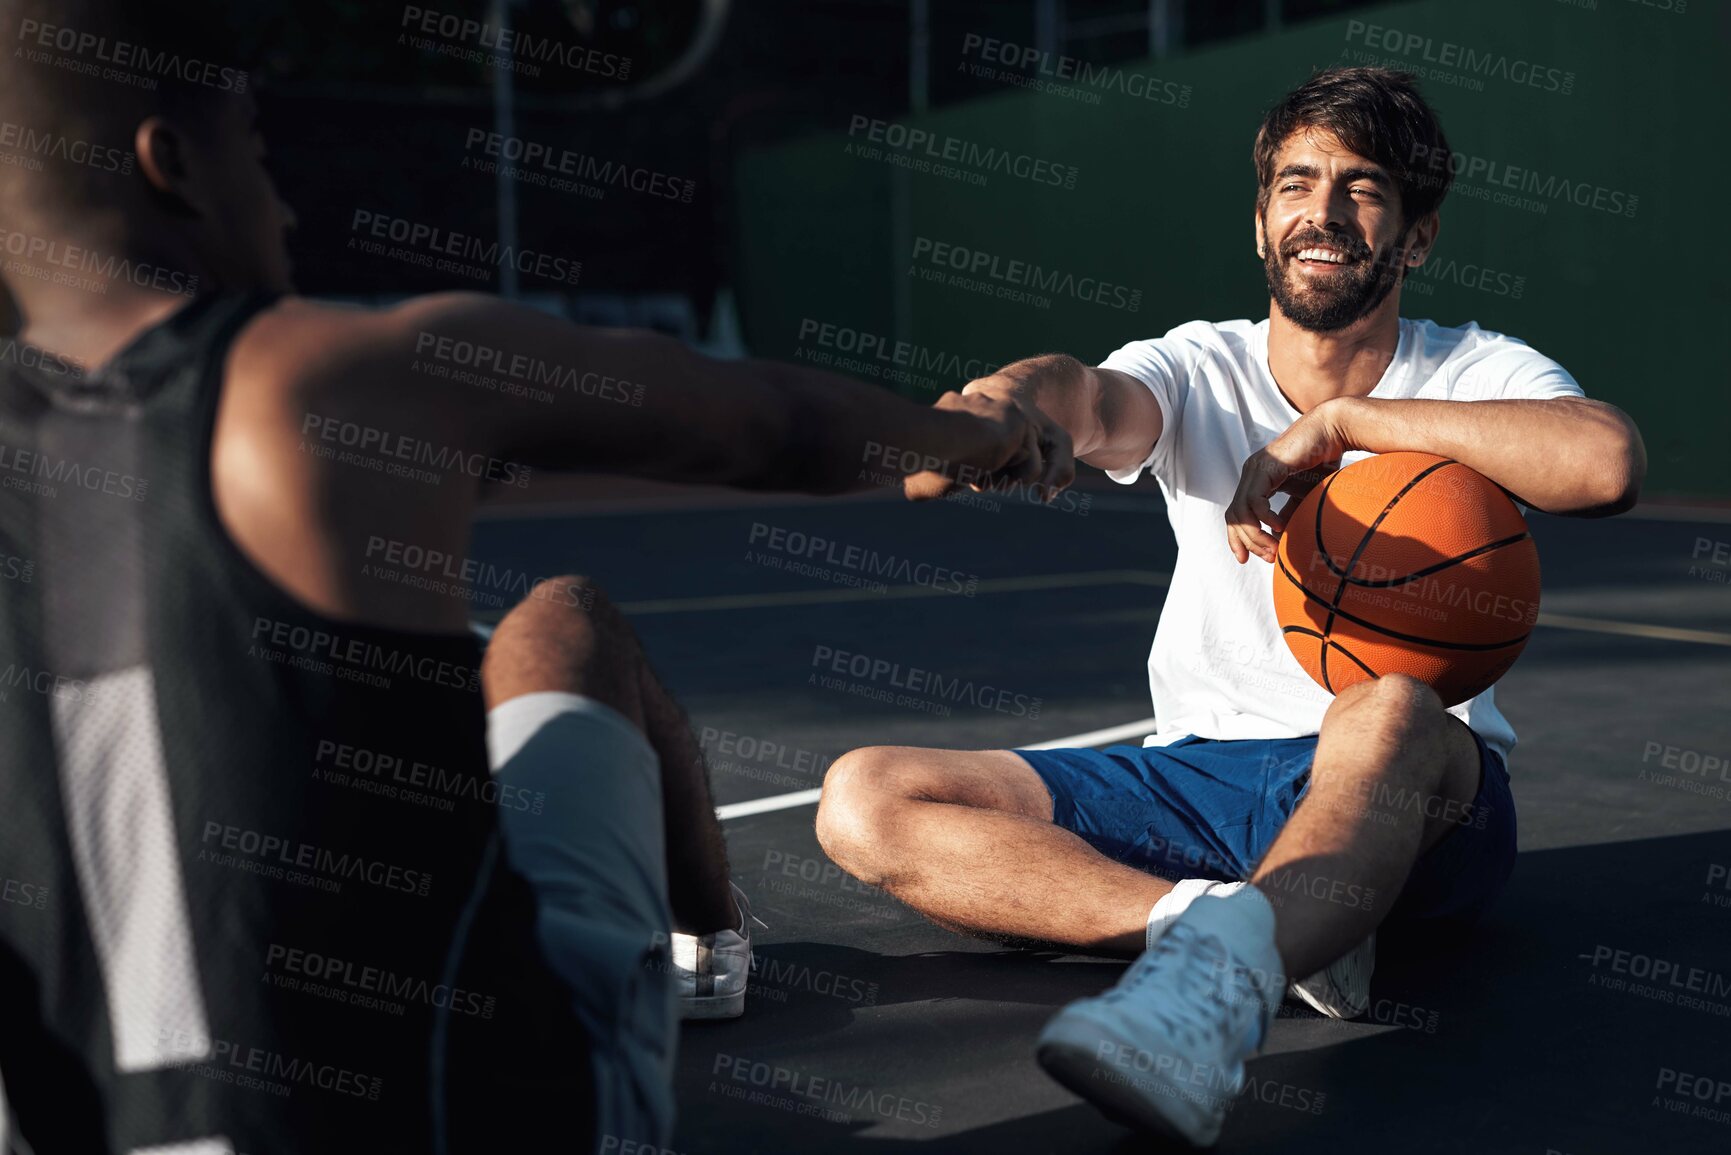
<point>1393,774</point>
<point>966,838</point>
<point>568,636</point>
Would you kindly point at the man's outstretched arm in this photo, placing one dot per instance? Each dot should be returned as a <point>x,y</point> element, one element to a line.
<point>636,402</point>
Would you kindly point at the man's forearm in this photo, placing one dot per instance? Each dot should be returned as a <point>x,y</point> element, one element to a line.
<point>1565,456</point>
<point>844,435</point>
<point>1064,389</point>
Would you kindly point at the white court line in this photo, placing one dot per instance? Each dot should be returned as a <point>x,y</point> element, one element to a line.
<point>1055,581</point>
<point>1111,734</point>
<point>1633,629</point>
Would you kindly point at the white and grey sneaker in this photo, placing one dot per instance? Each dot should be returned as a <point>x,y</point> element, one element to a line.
<point>1340,990</point>
<point>713,970</point>
<point>1164,1049</point>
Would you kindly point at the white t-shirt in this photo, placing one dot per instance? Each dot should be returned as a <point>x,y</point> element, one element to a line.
<point>1219,667</point>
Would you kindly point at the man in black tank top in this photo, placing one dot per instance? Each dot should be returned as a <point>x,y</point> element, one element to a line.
<point>257,895</point>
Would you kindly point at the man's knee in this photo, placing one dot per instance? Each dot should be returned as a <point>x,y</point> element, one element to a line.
<point>1424,749</point>
<point>566,635</point>
<point>855,816</point>
<point>1393,702</point>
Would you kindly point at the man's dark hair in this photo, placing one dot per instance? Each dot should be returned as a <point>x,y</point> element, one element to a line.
<point>86,72</point>
<point>1375,112</point>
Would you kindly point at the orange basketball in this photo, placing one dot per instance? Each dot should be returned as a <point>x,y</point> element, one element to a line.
<point>1407,563</point>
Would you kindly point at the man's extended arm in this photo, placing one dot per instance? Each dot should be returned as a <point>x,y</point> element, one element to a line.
<point>1566,455</point>
<point>637,402</point>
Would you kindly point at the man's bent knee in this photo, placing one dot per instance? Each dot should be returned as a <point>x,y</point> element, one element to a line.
<point>855,813</point>
<point>565,635</point>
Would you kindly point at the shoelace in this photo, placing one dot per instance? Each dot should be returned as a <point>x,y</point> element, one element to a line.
<point>1212,988</point>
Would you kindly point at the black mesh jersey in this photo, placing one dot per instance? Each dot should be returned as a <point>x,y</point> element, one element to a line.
<point>253,899</point>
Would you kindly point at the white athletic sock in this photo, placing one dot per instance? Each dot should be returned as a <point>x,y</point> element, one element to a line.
<point>1173,903</point>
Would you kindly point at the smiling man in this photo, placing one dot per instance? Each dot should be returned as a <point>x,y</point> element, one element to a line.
<point>1267,828</point>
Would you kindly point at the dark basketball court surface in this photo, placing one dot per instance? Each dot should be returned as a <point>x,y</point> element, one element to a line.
<point>1590,1013</point>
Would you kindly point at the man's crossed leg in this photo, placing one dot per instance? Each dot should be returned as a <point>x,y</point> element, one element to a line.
<point>1394,797</point>
<point>626,847</point>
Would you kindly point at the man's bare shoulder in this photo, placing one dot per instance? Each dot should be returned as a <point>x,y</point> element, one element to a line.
<point>367,363</point>
<point>298,341</point>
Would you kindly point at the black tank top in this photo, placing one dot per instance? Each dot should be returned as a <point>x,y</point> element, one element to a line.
<point>250,886</point>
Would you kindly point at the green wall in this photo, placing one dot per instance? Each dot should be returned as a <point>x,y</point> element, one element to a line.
<point>1162,203</point>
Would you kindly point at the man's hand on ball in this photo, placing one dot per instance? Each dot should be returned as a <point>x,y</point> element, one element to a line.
<point>1292,463</point>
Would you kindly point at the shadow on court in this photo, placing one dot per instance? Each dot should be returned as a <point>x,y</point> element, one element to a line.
<point>1520,1039</point>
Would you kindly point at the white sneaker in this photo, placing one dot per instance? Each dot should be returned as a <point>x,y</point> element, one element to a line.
<point>1164,1049</point>
<point>713,970</point>
<point>1340,990</point>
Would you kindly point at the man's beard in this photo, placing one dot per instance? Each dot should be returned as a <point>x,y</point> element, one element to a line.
<point>1326,305</point>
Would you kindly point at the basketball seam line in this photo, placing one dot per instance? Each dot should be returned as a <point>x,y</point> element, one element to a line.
<point>1428,570</point>
<point>1484,647</point>
<point>1350,656</point>
<point>1364,542</point>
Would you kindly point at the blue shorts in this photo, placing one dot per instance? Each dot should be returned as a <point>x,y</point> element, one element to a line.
<point>1209,809</point>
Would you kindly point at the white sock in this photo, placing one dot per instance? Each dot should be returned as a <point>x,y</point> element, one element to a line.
<point>1173,903</point>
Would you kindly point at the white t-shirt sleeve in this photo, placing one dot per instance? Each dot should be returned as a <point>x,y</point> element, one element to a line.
<point>1163,365</point>
<point>1514,371</point>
